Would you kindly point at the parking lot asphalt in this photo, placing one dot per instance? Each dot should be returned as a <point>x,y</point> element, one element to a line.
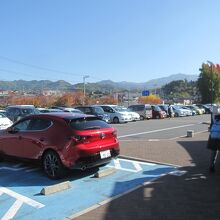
<point>193,193</point>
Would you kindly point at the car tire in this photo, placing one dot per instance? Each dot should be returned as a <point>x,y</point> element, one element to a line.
<point>141,117</point>
<point>52,165</point>
<point>115,120</point>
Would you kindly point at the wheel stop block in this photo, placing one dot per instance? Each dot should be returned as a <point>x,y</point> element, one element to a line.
<point>55,188</point>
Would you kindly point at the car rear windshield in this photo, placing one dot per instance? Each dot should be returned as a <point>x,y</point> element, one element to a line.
<point>28,111</point>
<point>88,124</point>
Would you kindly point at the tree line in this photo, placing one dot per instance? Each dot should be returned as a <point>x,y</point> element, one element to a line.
<point>205,90</point>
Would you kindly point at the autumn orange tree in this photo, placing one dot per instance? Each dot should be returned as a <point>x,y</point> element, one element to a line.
<point>151,99</point>
<point>40,101</point>
<point>70,99</point>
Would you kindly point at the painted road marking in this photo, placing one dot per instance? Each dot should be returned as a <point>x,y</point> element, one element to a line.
<point>20,199</point>
<point>31,170</point>
<point>20,189</point>
<point>154,131</point>
<point>12,168</point>
<point>135,165</point>
<point>13,210</point>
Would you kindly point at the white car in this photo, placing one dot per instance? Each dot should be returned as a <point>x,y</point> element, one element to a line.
<point>116,114</point>
<point>135,116</point>
<point>178,111</point>
<point>4,122</point>
<point>72,110</point>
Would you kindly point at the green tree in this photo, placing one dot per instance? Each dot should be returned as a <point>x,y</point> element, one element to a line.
<point>179,89</point>
<point>209,83</point>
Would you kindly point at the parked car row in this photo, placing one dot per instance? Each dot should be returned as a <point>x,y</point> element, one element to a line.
<point>111,113</point>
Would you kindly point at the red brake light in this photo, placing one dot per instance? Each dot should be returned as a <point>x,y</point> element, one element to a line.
<point>78,138</point>
<point>114,133</point>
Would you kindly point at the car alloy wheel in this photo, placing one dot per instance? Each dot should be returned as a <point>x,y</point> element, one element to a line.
<point>52,165</point>
<point>141,117</point>
<point>115,120</point>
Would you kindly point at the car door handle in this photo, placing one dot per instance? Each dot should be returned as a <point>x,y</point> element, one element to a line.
<point>41,139</point>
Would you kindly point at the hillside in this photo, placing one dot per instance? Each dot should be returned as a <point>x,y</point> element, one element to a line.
<point>105,85</point>
<point>34,85</point>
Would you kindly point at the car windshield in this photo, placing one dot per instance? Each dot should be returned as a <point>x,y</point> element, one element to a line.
<point>88,124</point>
<point>2,115</point>
<point>98,110</point>
<point>164,107</point>
<point>157,108</point>
<point>120,109</point>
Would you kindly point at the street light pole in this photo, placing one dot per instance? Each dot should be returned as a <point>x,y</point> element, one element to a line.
<point>84,87</point>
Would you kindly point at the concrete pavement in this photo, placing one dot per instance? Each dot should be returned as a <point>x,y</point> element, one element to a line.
<point>194,195</point>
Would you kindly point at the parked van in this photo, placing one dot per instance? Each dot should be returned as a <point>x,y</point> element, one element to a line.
<point>116,114</point>
<point>16,112</point>
<point>144,110</point>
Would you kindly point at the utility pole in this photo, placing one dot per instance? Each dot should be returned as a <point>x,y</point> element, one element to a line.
<point>84,88</point>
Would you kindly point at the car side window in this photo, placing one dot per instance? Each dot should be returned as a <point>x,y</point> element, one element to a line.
<point>87,111</point>
<point>109,109</point>
<point>38,124</point>
<point>105,108</point>
<point>140,108</point>
<point>22,126</point>
<point>132,108</point>
<point>148,108</point>
<point>10,111</point>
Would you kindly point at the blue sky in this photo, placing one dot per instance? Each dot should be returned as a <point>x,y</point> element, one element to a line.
<point>120,40</point>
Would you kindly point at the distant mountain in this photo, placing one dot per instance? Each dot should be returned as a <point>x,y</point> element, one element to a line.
<point>151,84</point>
<point>34,85</point>
<point>105,85</point>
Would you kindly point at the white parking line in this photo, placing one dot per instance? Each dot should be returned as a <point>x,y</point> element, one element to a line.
<point>31,170</point>
<point>158,130</point>
<point>12,168</point>
<point>13,210</point>
<point>18,165</point>
<point>20,199</point>
<point>137,166</point>
<point>24,199</point>
<point>117,164</point>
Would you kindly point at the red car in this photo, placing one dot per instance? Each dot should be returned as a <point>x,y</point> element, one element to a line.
<point>60,141</point>
<point>157,112</point>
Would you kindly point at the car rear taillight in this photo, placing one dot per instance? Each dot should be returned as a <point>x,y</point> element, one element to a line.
<point>79,138</point>
<point>114,133</point>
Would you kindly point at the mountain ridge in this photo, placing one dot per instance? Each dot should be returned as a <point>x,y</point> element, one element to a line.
<point>35,85</point>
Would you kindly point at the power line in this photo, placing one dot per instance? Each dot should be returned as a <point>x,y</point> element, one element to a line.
<point>42,68</point>
<point>36,66</point>
<point>21,73</point>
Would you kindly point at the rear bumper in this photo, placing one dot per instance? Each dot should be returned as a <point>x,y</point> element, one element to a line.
<point>94,160</point>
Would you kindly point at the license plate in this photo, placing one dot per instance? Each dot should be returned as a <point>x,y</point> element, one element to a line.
<point>105,154</point>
